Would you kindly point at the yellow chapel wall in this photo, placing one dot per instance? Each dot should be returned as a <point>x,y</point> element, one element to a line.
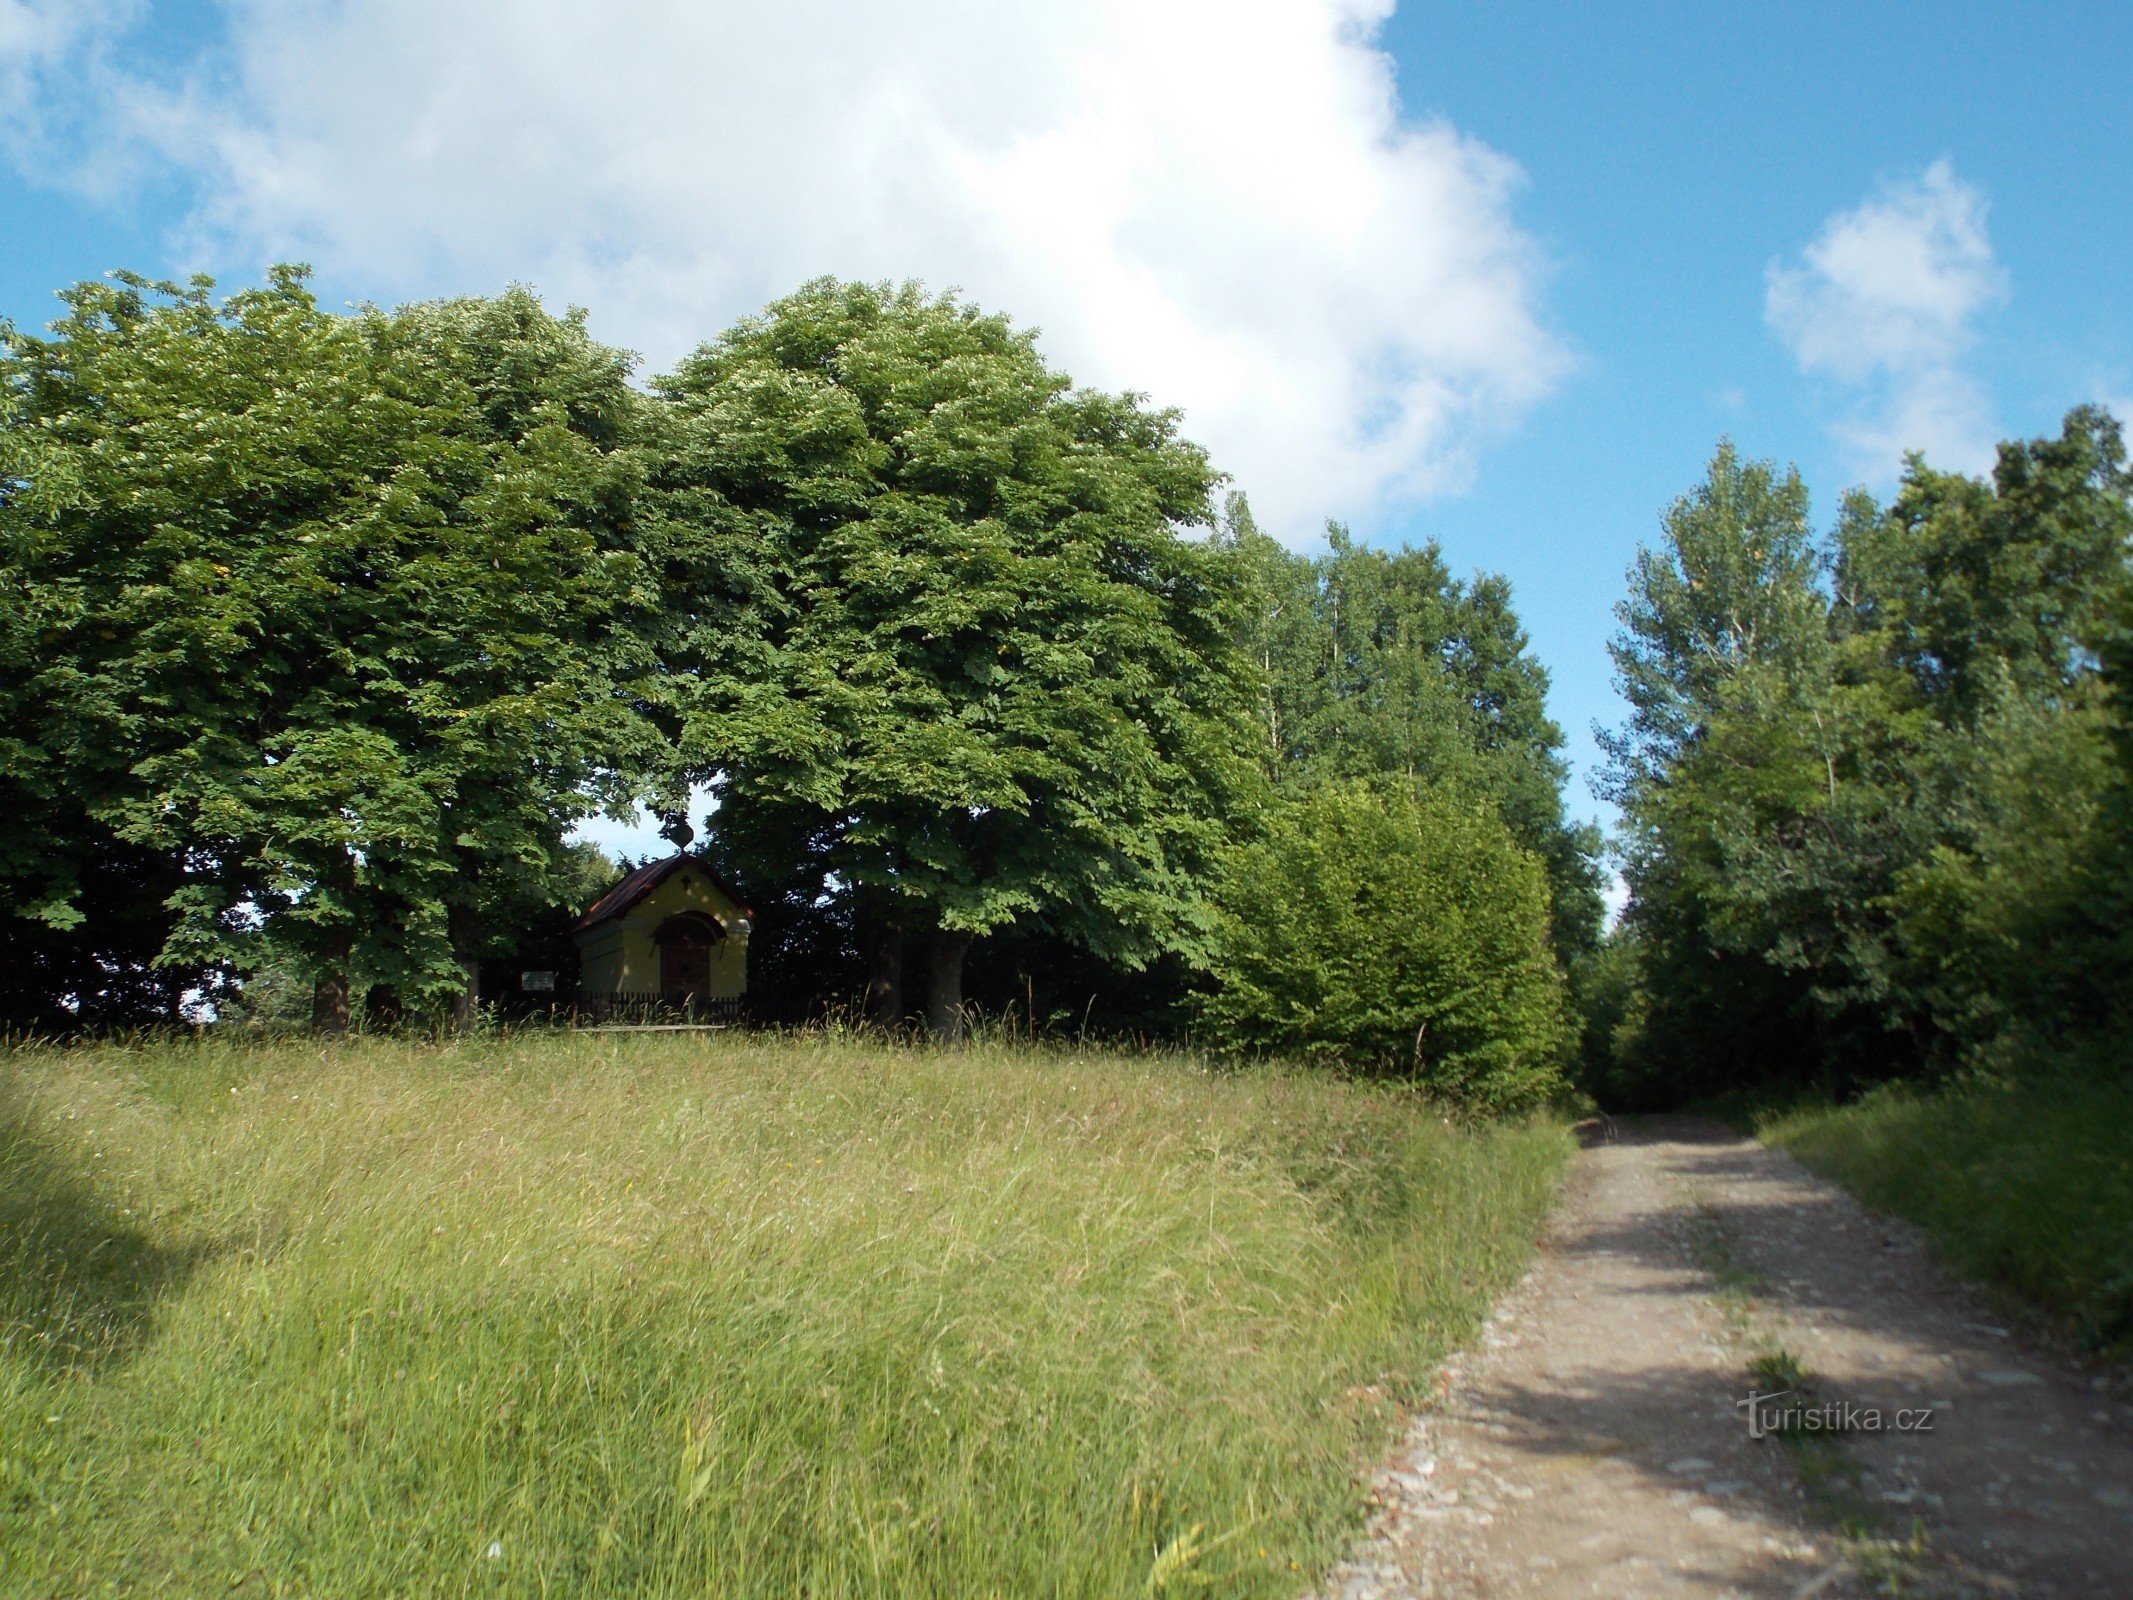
<point>619,956</point>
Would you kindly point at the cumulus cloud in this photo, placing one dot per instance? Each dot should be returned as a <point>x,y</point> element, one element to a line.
<point>1217,202</point>
<point>1884,303</point>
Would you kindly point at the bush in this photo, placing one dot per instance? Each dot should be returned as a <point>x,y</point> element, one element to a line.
<point>1399,930</point>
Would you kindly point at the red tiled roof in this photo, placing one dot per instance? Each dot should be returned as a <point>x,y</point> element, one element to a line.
<point>647,878</point>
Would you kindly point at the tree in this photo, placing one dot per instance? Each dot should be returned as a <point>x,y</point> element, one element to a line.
<point>1283,637</point>
<point>96,969</point>
<point>319,614</point>
<point>1731,585</point>
<point>1865,823</point>
<point>1973,584</point>
<point>1397,928</point>
<point>1377,662</point>
<point>944,649</point>
<point>1723,641</point>
<point>1998,603</point>
<point>1435,678</point>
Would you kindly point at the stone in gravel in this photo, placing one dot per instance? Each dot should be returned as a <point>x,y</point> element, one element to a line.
<point>2008,1379</point>
<point>1689,1464</point>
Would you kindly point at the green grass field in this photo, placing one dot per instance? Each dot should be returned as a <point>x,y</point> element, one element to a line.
<point>2028,1186</point>
<point>669,1315</point>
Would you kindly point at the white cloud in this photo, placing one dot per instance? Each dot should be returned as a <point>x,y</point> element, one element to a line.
<point>1885,304</point>
<point>45,47</point>
<point>36,35</point>
<point>1214,201</point>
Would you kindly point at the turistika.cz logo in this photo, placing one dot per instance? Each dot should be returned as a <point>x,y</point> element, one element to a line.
<point>1787,1411</point>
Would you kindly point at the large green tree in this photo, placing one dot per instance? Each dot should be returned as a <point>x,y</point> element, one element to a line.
<point>315,609</point>
<point>1725,661</point>
<point>939,638</point>
<point>1994,604</point>
<point>1866,793</point>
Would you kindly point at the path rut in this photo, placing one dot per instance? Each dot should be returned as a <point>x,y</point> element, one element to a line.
<point>1592,1443</point>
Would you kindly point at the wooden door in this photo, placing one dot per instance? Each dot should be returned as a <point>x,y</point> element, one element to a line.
<point>684,963</point>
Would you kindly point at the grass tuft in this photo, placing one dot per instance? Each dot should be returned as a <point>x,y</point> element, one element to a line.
<point>674,1316</point>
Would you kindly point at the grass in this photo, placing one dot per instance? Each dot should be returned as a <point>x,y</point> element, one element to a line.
<point>599,1315</point>
<point>2027,1186</point>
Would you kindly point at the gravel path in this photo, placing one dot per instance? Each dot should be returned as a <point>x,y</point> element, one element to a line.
<point>1591,1444</point>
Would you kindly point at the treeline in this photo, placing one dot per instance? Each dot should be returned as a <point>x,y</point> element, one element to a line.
<point>319,633</point>
<point>1876,789</point>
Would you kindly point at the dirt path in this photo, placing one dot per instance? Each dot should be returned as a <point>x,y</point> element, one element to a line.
<point>1591,1444</point>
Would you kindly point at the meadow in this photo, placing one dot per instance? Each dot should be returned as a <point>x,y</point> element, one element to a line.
<point>600,1314</point>
<point>2026,1185</point>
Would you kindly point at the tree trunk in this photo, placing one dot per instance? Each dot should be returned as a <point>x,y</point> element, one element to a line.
<point>329,991</point>
<point>885,979</point>
<point>336,952</point>
<point>944,985</point>
<point>465,930</point>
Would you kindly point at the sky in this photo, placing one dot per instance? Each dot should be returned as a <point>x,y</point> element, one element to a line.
<point>1495,276</point>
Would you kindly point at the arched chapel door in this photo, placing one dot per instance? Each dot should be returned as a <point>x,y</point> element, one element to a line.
<point>685,943</point>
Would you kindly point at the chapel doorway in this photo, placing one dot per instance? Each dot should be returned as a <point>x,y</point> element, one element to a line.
<point>685,943</point>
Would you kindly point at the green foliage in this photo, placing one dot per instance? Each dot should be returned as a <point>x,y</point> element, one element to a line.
<point>1375,662</point>
<point>315,608</point>
<point>2027,1184</point>
<point>1731,587</point>
<point>318,633</point>
<point>1723,630</point>
<point>1999,923</point>
<point>104,958</point>
<point>936,636</point>
<point>1970,584</point>
<point>590,1315</point>
<point>1870,827</point>
<point>1608,1004</point>
<point>1395,928</point>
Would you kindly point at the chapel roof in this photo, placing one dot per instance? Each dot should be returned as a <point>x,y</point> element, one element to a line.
<point>644,880</point>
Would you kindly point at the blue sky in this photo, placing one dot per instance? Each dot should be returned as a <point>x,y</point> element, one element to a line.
<point>1510,305</point>
<point>1672,152</point>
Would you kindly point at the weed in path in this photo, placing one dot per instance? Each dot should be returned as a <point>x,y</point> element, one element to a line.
<point>1790,1408</point>
<point>1736,1287</point>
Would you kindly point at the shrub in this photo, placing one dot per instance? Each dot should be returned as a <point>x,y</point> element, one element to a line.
<point>1399,930</point>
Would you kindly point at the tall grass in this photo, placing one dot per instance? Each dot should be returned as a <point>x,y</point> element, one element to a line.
<point>603,1314</point>
<point>2026,1184</point>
